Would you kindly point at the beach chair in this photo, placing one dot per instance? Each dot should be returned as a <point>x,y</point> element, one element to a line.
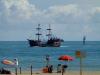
<point>5,72</point>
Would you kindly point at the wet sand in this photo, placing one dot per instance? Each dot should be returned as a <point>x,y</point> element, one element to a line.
<point>66,73</point>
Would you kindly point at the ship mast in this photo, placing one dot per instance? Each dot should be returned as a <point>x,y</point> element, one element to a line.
<point>38,33</point>
<point>49,32</point>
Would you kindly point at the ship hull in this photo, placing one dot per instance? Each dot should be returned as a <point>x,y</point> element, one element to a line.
<point>33,43</point>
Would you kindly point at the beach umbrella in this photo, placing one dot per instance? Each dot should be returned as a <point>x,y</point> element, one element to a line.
<point>65,58</point>
<point>7,62</point>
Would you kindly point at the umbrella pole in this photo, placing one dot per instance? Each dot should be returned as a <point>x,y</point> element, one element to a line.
<point>62,73</point>
<point>62,70</point>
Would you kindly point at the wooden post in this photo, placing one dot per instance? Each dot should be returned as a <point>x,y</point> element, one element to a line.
<point>31,69</point>
<point>62,70</point>
<point>80,55</point>
<point>81,65</point>
<point>16,70</point>
<point>20,70</point>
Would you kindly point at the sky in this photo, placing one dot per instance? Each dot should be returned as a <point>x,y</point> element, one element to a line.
<point>69,19</point>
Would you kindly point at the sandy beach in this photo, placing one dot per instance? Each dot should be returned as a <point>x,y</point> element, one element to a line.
<point>66,73</point>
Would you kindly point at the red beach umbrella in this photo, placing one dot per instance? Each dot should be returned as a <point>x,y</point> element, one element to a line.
<point>65,58</point>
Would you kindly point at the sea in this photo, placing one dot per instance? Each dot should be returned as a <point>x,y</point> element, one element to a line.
<point>36,56</point>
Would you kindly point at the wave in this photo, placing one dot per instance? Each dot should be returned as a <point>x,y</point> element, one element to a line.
<point>64,46</point>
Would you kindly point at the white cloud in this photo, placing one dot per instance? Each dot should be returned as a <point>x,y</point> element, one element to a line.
<point>95,15</point>
<point>64,9</point>
<point>18,8</point>
<point>22,10</point>
<point>19,14</point>
<point>97,9</point>
<point>63,13</point>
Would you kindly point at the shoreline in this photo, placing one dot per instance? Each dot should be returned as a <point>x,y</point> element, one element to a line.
<point>55,73</point>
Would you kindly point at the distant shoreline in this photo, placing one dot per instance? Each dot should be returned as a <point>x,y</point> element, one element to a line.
<point>64,41</point>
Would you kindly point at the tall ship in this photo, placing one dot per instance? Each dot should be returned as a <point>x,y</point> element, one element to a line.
<point>50,42</point>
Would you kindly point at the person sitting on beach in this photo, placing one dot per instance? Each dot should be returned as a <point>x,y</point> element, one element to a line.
<point>3,71</point>
<point>50,68</point>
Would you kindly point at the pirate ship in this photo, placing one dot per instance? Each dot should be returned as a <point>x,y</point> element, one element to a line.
<point>50,42</point>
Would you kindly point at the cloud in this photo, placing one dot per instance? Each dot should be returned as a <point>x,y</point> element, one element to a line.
<point>16,10</point>
<point>20,15</point>
<point>63,13</point>
<point>95,15</point>
<point>64,9</point>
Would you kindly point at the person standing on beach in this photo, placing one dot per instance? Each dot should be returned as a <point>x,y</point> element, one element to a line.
<point>16,62</point>
<point>47,60</point>
<point>50,68</point>
<point>59,68</point>
<point>64,67</point>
